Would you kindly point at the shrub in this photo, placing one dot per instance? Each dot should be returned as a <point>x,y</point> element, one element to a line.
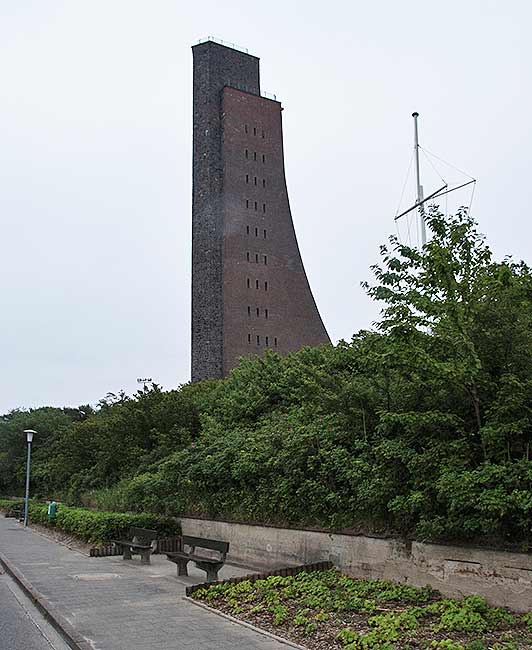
<point>101,527</point>
<point>527,620</point>
<point>8,505</point>
<point>421,426</point>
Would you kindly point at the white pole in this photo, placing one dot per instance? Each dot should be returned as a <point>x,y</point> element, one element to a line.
<point>27,486</point>
<point>29,438</point>
<point>418,182</point>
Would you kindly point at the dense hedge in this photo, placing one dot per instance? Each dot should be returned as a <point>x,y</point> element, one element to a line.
<point>9,505</point>
<point>421,427</point>
<point>98,527</point>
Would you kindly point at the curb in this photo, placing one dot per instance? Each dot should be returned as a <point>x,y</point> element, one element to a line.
<point>73,638</point>
<point>259,630</point>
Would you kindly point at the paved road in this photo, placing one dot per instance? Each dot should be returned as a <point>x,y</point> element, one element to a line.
<point>21,625</point>
<point>121,605</point>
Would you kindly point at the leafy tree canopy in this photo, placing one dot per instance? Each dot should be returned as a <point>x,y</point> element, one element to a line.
<point>422,426</point>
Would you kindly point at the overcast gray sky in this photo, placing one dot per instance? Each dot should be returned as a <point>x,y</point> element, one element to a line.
<point>95,162</point>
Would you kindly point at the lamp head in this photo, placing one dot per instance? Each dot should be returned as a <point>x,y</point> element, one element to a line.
<point>29,434</point>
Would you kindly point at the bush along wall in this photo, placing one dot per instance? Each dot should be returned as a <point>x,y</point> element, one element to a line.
<point>97,527</point>
<point>421,427</point>
<point>8,506</point>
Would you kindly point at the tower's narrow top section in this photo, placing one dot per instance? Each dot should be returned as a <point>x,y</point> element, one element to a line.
<point>221,65</point>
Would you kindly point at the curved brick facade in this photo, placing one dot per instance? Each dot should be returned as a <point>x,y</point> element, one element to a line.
<point>250,292</point>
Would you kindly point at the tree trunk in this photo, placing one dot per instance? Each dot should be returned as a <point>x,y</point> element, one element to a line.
<point>476,406</point>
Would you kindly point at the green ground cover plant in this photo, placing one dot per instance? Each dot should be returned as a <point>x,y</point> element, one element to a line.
<point>329,610</point>
<point>420,427</point>
<point>97,527</point>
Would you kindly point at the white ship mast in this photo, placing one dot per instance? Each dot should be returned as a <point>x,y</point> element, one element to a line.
<point>421,200</point>
<point>423,227</point>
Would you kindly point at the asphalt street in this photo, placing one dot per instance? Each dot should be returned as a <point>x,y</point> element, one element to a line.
<point>21,625</point>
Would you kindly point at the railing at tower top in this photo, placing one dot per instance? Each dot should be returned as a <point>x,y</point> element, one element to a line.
<point>220,41</point>
<point>240,49</point>
<point>244,88</point>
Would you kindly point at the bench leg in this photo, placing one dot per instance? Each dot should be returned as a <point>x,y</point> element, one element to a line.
<point>182,567</point>
<point>145,557</point>
<point>212,574</point>
<point>127,553</point>
<point>211,569</point>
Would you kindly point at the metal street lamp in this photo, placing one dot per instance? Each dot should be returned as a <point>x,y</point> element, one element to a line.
<point>29,438</point>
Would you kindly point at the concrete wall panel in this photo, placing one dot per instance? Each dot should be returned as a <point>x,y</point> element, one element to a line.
<point>504,578</point>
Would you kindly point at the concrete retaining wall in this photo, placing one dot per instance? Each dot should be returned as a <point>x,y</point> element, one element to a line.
<point>504,578</point>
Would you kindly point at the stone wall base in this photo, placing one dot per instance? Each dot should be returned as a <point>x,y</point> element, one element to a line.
<point>503,578</point>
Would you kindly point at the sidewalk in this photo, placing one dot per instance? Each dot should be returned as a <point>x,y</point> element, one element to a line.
<point>121,605</point>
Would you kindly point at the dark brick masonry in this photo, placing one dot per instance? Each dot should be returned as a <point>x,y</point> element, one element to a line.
<point>250,292</point>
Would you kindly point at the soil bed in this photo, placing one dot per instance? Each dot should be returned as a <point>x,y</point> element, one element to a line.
<point>329,610</point>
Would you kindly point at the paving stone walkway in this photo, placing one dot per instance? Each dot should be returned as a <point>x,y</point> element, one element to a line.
<point>123,605</point>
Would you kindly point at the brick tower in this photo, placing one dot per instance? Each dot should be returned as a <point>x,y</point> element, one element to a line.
<point>250,292</point>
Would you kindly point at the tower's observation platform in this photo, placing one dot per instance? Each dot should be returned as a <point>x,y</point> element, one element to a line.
<point>250,292</point>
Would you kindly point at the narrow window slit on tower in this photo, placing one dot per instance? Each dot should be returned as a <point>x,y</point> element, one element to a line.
<point>258,339</point>
<point>256,258</point>
<point>247,230</point>
<point>249,310</point>
<point>255,180</point>
<point>254,131</point>
<point>264,234</point>
<point>247,178</point>
<point>264,207</point>
<point>275,341</point>
<point>246,128</point>
<point>247,255</point>
<point>258,312</point>
<point>255,156</point>
<point>256,284</point>
<point>263,158</point>
<point>247,153</point>
<point>265,259</point>
<point>256,232</point>
<point>263,182</point>
<point>256,205</point>
<point>265,286</point>
<point>247,203</point>
<point>267,341</point>
<point>265,313</point>
<point>249,283</point>
<point>249,338</point>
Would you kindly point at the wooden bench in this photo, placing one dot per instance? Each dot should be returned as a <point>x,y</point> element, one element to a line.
<point>143,542</point>
<point>210,565</point>
<point>16,512</point>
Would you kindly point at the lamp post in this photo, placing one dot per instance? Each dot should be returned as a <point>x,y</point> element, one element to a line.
<point>29,438</point>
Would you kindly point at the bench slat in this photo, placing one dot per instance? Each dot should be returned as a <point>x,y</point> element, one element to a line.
<point>131,544</point>
<point>193,558</point>
<point>200,542</point>
<point>143,534</point>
